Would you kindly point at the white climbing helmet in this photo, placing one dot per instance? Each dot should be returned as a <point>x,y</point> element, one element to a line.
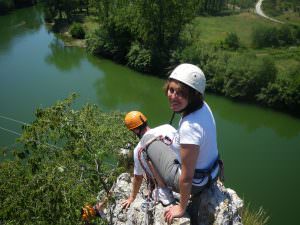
<point>190,75</point>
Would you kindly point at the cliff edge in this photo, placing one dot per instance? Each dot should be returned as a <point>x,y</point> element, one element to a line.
<point>218,206</point>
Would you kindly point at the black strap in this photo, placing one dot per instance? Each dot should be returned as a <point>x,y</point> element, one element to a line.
<point>201,173</point>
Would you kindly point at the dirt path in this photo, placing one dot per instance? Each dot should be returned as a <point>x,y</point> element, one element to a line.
<point>259,11</point>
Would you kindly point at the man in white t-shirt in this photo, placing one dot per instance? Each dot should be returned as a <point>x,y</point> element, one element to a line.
<point>137,123</point>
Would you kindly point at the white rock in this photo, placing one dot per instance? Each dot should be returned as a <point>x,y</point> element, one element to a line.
<point>218,206</point>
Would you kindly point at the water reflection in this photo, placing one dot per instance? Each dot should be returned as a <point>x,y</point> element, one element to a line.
<point>122,89</point>
<point>18,23</point>
<point>64,58</point>
<point>253,117</point>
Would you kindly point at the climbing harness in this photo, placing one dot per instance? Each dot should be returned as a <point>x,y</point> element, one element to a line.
<point>202,173</point>
<point>142,152</point>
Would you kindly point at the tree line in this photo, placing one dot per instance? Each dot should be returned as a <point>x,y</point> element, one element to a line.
<point>153,37</point>
<point>7,5</point>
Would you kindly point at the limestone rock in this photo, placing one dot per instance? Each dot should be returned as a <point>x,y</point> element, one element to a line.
<point>218,206</point>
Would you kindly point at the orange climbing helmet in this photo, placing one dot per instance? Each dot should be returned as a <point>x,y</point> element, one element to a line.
<point>134,119</point>
<point>88,212</point>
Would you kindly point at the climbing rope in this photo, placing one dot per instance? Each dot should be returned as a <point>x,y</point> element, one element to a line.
<point>32,140</point>
<point>10,131</point>
<point>147,207</point>
<point>14,120</point>
<point>19,134</point>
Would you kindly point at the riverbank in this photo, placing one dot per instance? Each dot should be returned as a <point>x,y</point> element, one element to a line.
<point>242,73</point>
<point>63,31</point>
<point>10,5</point>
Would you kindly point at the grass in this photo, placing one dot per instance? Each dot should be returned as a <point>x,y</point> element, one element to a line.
<point>254,217</point>
<point>214,29</point>
<point>283,11</point>
<point>91,23</point>
<point>285,58</point>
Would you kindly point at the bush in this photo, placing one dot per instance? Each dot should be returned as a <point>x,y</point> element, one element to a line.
<point>77,31</point>
<point>64,162</point>
<point>139,58</point>
<point>211,60</point>
<point>232,41</point>
<point>285,36</point>
<point>273,37</point>
<point>264,37</point>
<point>246,76</point>
<point>283,94</point>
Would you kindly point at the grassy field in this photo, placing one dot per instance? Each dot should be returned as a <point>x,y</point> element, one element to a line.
<point>214,29</point>
<point>283,11</point>
<point>286,59</point>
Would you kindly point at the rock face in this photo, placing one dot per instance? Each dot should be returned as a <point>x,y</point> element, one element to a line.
<point>218,206</point>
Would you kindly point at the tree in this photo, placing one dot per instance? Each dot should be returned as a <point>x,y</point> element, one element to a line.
<point>64,162</point>
<point>232,41</point>
<point>246,75</point>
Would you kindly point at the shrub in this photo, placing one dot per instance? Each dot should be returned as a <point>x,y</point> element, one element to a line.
<point>285,36</point>
<point>246,76</point>
<point>77,31</point>
<point>232,41</point>
<point>64,162</point>
<point>264,37</point>
<point>282,93</point>
<point>139,58</point>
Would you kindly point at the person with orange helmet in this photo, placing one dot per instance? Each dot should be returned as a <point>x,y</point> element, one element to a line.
<point>136,122</point>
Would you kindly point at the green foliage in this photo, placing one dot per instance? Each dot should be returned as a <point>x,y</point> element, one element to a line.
<point>285,36</point>
<point>65,9</point>
<point>264,37</point>
<point>144,32</point>
<point>232,41</point>
<point>139,58</point>
<point>273,37</point>
<point>66,160</point>
<point>254,217</point>
<point>77,31</point>
<point>277,7</point>
<point>210,7</point>
<point>283,93</point>
<point>111,42</point>
<point>6,5</point>
<point>246,76</point>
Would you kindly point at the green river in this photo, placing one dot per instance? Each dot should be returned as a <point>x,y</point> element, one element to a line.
<point>260,147</point>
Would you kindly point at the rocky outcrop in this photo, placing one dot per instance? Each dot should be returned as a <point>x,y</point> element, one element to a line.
<point>218,206</point>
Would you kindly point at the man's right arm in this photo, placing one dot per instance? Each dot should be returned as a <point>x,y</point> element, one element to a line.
<point>136,184</point>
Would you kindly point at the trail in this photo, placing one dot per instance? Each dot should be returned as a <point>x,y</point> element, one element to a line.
<point>259,11</point>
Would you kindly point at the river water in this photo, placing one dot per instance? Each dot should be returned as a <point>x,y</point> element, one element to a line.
<point>260,147</point>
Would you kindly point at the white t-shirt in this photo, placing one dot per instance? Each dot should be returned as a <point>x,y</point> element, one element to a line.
<point>165,130</point>
<point>199,128</point>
